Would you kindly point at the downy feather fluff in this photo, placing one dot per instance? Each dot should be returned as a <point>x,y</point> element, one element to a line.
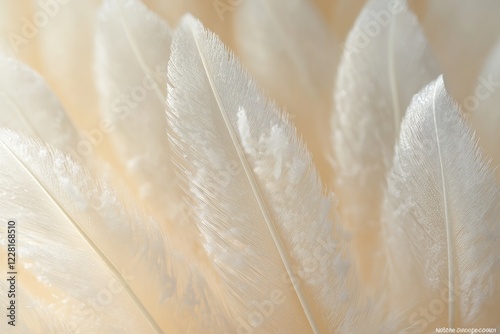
<point>96,261</point>
<point>378,75</point>
<point>441,215</point>
<point>288,48</point>
<point>258,199</point>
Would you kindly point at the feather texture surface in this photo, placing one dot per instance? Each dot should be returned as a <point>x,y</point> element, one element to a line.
<point>289,50</point>
<point>379,73</point>
<point>483,109</point>
<point>99,257</point>
<point>441,217</point>
<point>28,105</point>
<point>266,222</point>
<point>38,318</point>
<point>132,87</point>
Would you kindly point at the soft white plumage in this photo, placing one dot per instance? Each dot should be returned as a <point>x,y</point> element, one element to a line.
<point>441,215</point>
<point>225,221</point>
<point>92,257</point>
<point>288,41</point>
<point>132,86</point>
<point>377,77</point>
<point>258,201</point>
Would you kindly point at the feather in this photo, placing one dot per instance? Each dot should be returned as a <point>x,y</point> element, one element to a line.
<point>266,223</point>
<point>132,52</point>
<point>441,217</point>
<point>29,106</point>
<point>483,109</point>
<point>108,266</point>
<point>38,317</point>
<point>289,50</point>
<point>378,75</point>
<point>65,41</point>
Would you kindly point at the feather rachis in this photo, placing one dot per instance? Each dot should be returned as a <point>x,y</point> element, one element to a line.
<point>90,223</point>
<point>441,201</point>
<point>280,179</point>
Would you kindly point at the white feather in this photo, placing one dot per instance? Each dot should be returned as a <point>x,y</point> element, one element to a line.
<point>132,52</point>
<point>259,202</point>
<point>28,105</point>
<point>106,266</point>
<point>441,217</point>
<point>386,60</point>
<point>288,48</point>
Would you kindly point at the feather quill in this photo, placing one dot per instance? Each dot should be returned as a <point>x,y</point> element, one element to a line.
<point>441,216</point>
<point>259,204</point>
<point>379,73</point>
<point>100,258</point>
<point>290,51</point>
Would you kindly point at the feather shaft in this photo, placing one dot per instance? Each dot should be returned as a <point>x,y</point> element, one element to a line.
<point>449,230</point>
<point>95,248</point>
<point>258,199</point>
<point>375,83</point>
<point>440,216</point>
<point>156,287</point>
<point>256,191</point>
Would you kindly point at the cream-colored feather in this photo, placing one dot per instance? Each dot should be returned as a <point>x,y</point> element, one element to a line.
<point>378,75</point>
<point>107,266</point>
<point>28,105</point>
<point>292,55</point>
<point>267,224</point>
<point>441,216</point>
<point>65,38</point>
<point>132,52</point>
<point>483,109</point>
